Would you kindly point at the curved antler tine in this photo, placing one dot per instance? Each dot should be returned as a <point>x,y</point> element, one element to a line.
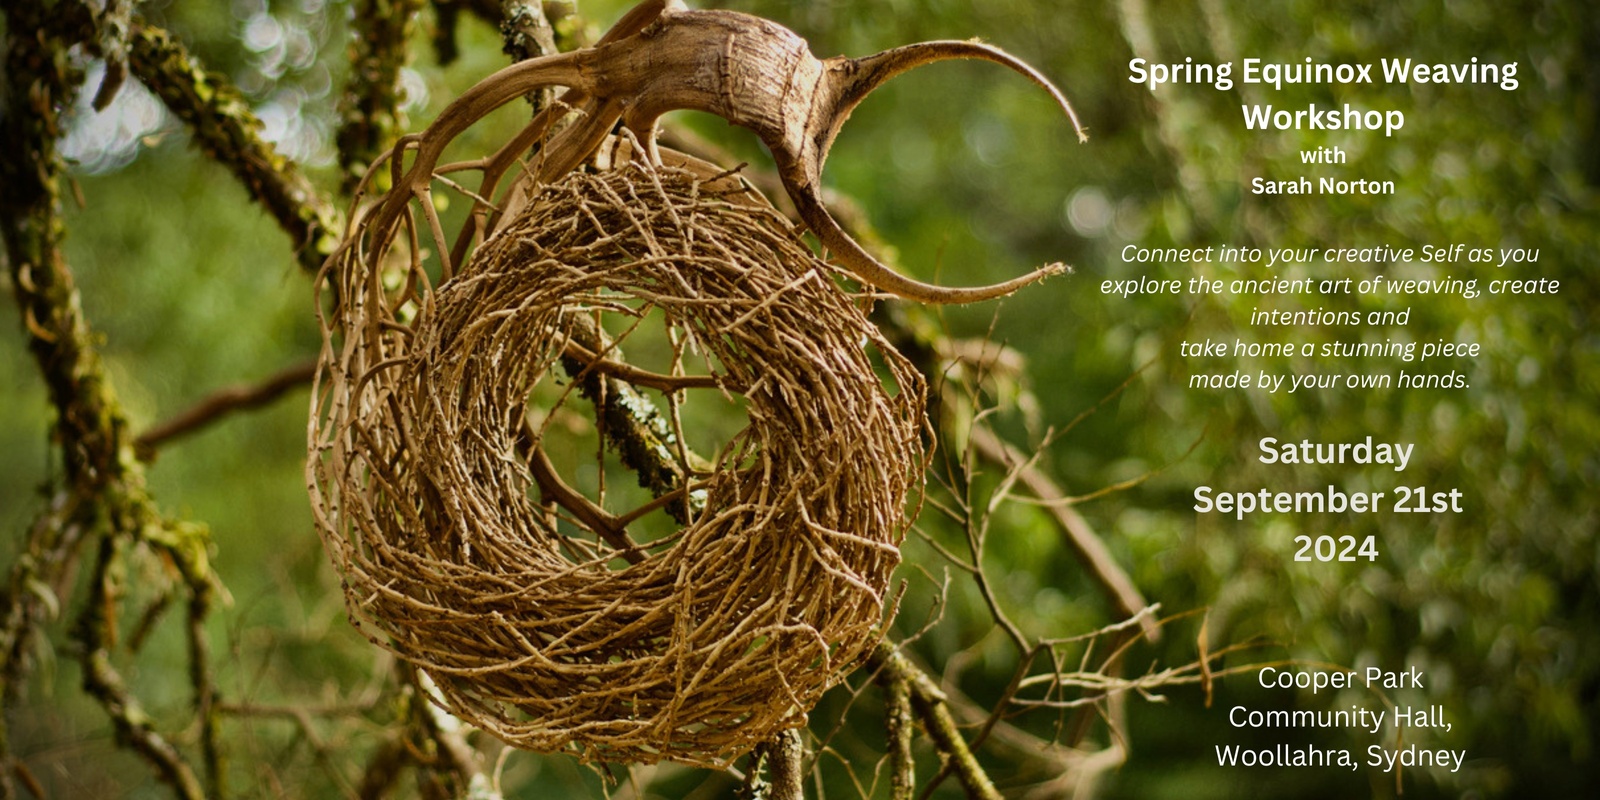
<point>847,82</point>
<point>638,18</point>
<point>808,204</point>
<point>853,79</point>
<point>872,71</point>
<point>561,69</point>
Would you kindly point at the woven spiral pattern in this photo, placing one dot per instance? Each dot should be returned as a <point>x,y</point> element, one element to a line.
<point>534,625</point>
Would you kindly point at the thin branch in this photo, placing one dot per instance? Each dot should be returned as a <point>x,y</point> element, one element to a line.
<point>227,131</point>
<point>640,377</point>
<point>102,682</point>
<point>977,529</point>
<point>201,678</point>
<point>1072,768</point>
<point>221,403</point>
<point>294,712</point>
<point>33,589</point>
<point>383,769</point>
<point>1075,530</point>
<point>554,490</point>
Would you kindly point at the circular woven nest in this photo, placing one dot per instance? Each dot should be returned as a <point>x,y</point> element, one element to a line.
<point>464,550</point>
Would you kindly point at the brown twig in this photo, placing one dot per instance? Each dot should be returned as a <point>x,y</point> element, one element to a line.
<point>554,490</point>
<point>221,403</point>
<point>1075,531</point>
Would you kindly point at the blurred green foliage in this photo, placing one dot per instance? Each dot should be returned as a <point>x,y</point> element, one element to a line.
<point>971,175</point>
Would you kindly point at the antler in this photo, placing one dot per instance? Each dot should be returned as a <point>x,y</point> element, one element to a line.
<point>663,57</point>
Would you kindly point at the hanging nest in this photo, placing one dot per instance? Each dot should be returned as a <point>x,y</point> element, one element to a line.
<point>699,617</point>
<point>463,552</point>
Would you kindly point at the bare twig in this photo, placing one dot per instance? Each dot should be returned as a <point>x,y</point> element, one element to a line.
<point>1075,530</point>
<point>294,712</point>
<point>221,403</point>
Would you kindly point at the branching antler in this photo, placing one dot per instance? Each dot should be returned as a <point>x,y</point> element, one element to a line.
<point>663,57</point>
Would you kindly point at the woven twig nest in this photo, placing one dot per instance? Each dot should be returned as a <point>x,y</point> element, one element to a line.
<point>435,472</point>
<point>464,552</point>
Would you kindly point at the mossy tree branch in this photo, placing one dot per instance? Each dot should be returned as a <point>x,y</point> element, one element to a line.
<point>38,82</point>
<point>104,492</point>
<point>898,728</point>
<point>931,708</point>
<point>134,727</point>
<point>226,131</point>
<point>370,114</point>
<point>222,403</point>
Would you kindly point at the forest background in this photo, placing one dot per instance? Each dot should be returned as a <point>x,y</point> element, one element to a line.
<point>967,171</point>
